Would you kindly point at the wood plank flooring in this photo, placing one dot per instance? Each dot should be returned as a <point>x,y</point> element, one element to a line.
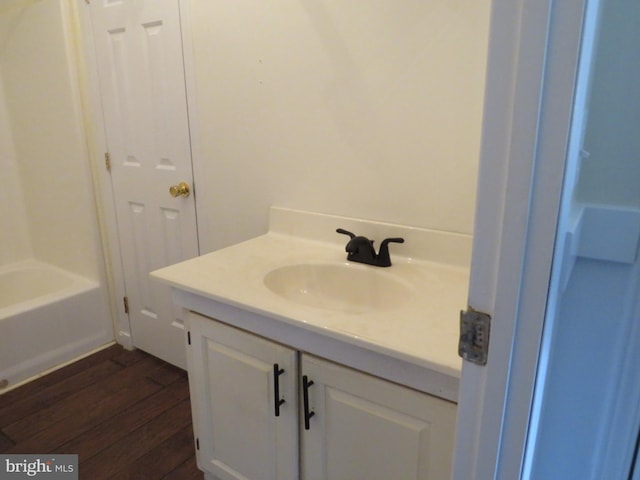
<point>126,414</point>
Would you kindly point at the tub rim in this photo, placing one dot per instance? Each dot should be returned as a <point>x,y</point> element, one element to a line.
<point>78,284</point>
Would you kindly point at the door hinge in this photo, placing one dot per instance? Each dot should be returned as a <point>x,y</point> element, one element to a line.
<point>107,161</point>
<point>126,304</point>
<point>474,336</point>
<point>189,337</point>
<point>197,444</point>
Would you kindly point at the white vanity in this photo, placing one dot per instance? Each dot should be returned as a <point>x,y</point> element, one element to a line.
<point>304,365</point>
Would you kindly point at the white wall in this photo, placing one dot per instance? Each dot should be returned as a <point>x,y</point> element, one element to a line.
<point>41,96</point>
<point>363,109</point>
<point>610,174</point>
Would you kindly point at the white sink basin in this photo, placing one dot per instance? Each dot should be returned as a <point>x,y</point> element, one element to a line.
<point>347,288</point>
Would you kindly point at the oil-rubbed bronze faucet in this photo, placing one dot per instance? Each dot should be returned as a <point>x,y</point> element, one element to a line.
<point>360,249</point>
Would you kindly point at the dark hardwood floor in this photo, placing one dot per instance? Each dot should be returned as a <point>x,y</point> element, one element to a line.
<point>126,414</point>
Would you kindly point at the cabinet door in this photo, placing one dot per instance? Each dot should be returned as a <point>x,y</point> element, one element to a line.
<point>365,428</point>
<point>233,382</point>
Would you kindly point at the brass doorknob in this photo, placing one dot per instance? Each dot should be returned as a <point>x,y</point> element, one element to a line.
<point>180,190</point>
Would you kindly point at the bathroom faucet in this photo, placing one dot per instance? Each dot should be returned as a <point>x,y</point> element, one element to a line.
<point>360,249</point>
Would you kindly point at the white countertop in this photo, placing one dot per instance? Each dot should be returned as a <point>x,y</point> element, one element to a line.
<point>421,332</point>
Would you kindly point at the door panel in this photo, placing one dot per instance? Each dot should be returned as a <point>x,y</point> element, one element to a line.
<point>367,428</point>
<point>232,383</point>
<point>139,56</point>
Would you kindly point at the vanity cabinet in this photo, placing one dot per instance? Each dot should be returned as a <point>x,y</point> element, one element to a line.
<point>265,411</point>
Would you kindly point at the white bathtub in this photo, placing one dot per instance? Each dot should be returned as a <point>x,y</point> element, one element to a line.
<point>47,317</point>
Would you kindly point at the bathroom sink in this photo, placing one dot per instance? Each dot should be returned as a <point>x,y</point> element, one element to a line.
<point>347,288</point>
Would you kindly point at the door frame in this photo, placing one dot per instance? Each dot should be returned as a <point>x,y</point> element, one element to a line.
<point>534,47</point>
<point>97,146</point>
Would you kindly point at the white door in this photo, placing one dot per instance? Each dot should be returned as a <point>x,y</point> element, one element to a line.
<point>533,51</point>
<point>363,427</point>
<point>141,75</point>
<point>235,377</point>
<point>539,56</point>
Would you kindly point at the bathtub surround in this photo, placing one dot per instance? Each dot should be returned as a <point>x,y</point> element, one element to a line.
<point>47,205</point>
<point>15,241</point>
<point>43,106</point>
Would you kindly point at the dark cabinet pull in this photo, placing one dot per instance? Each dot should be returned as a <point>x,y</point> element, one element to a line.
<point>277,371</point>
<point>306,383</point>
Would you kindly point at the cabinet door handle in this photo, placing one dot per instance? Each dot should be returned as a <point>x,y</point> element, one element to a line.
<point>306,383</point>
<point>277,371</point>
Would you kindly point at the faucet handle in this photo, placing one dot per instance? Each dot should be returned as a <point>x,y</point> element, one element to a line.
<point>344,232</point>
<point>392,240</point>
<point>384,259</point>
